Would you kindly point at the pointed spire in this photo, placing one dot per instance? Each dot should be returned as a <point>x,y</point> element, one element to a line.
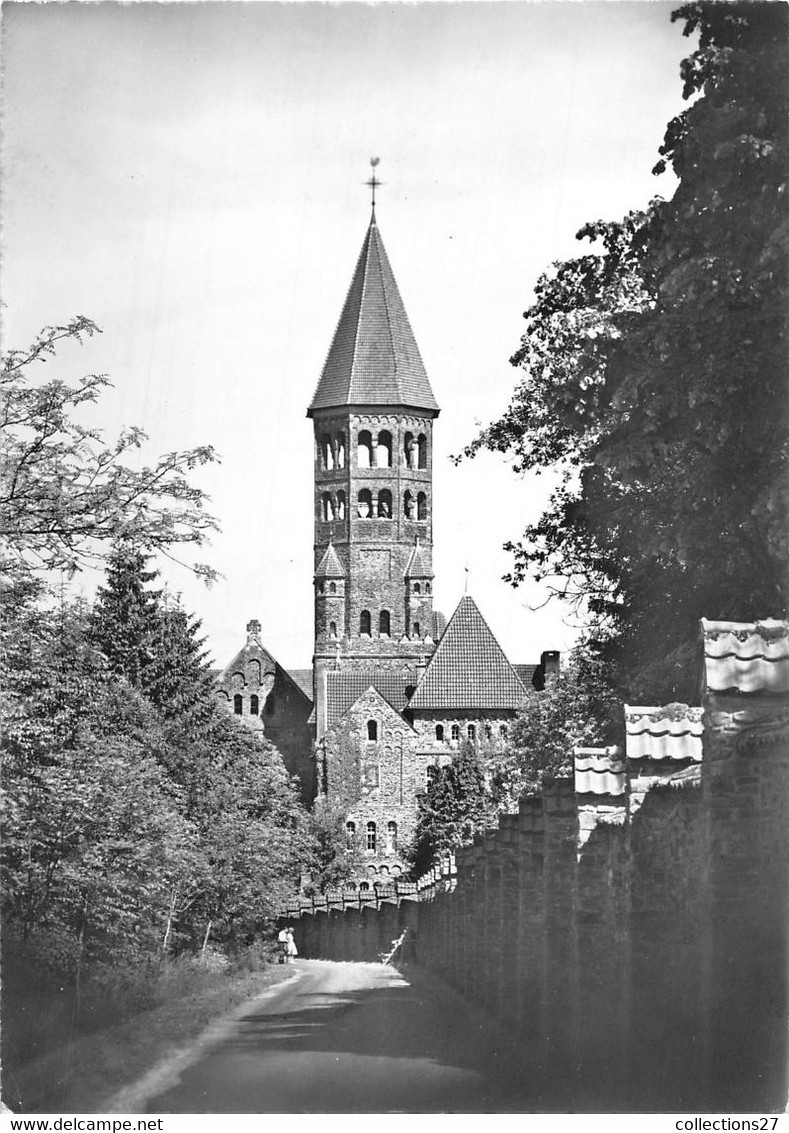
<point>373,358</point>
<point>417,567</point>
<point>330,565</point>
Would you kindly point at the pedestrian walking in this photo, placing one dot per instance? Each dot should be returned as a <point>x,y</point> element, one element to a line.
<point>282,945</point>
<point>291,947</point>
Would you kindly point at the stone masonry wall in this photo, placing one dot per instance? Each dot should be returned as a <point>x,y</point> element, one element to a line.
<point>636,956</point>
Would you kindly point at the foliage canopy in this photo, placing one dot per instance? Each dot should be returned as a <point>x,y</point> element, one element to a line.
<point>654,375</point>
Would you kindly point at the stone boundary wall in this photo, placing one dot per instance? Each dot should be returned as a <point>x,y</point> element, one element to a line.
<point>631,935</point>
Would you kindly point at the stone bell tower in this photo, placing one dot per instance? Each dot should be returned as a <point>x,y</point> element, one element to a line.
<point>373,413</point>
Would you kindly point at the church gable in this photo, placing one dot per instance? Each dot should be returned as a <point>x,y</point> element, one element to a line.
<point>469,670</point>
<point>265,697</point>
<point>343,689</point>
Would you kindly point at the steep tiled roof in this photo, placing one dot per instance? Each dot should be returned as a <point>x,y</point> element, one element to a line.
<point>373,358</point>
<point>526,674</point>
<point>302,678</point>
<point>468,669</point>
<point>598,771</point>
<point>344,689</point>
<point>417,566</point>
<point>672,732</point>
<point>330,565</point>
<point>746,656</point>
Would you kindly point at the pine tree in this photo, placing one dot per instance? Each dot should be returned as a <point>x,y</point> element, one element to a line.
<point>126,620</point>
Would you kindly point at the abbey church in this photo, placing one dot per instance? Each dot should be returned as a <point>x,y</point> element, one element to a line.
<point>394,688</point>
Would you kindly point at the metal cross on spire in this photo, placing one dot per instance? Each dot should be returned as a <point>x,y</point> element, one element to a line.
<point>373,183</point>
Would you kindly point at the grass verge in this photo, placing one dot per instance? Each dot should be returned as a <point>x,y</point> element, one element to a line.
<point>81,1074</point>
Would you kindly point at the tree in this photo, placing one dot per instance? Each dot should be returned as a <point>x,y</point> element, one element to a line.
<point>66,495</point>
<point>331,862</point>
<point>125,621</point>
<point>577,707</point>
<point>148,638</point>
<point>453,810</point>
<point>655,376</point>
<point>94,834</point>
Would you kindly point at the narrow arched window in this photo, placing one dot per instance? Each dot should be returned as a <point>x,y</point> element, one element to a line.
<point>238,704</point>
<point>383,455</point>
<point>439,731</point>
<point>332,587</point>
<point>409,450</point>
<point>253,705</point>
<point>327,508</point>
<point>455,733</point>
<point>416,632</point>
<point>384,623</point>
<point>427,588</point>
<point>488,732</point>
<point>421,506</point>
<point>384,504</point>
<point>471,732</point>
<point>327,453</point>
<point>364,886</point>
<point>372,730</point>
<point>350,835</point>
<point>341,505</point>
<point>422,450</point>
<point>409,506</point>
<point>417,588</point>
<point>365,508</point>
<point>503,731</point>
<point>364,452</point>
<point>364,622</point>
<point>391,837</point>
<point>341,450</point>
<point>371,836</point>
<point>332,629</point>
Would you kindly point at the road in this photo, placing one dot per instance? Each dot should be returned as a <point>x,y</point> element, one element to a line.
<point>342,1038</point>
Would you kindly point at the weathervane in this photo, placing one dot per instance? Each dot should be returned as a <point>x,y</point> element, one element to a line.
<point>373,183</point>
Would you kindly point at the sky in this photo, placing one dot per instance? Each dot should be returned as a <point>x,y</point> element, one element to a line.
<point>191,177</point>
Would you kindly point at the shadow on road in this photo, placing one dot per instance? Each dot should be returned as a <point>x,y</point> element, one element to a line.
<point>346,1038</point>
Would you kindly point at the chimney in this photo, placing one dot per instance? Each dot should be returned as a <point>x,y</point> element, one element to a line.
<point>549,663</point>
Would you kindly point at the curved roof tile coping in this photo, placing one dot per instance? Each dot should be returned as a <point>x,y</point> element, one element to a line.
<point>747,657</point>
<point>673,731</point>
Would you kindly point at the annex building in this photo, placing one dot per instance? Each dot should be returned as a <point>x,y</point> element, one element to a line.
<point>394,688</point>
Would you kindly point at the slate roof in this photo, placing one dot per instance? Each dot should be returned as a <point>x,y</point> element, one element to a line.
<point>302,678</point>
<point>746,656</point>
<point>672,732</point>
<point>417,567</point>
<point>344,689</point>
<point>373,358</point>
<point>330,565</point>
<point>468,669</point>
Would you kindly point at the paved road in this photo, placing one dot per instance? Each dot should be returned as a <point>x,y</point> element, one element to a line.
<point>342,1038</point>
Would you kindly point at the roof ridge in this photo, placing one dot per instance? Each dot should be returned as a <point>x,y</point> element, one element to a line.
<point>362,296</point>
<point>386,306</point>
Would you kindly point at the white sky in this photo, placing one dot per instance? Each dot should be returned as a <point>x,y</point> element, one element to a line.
<point>190,176</point>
